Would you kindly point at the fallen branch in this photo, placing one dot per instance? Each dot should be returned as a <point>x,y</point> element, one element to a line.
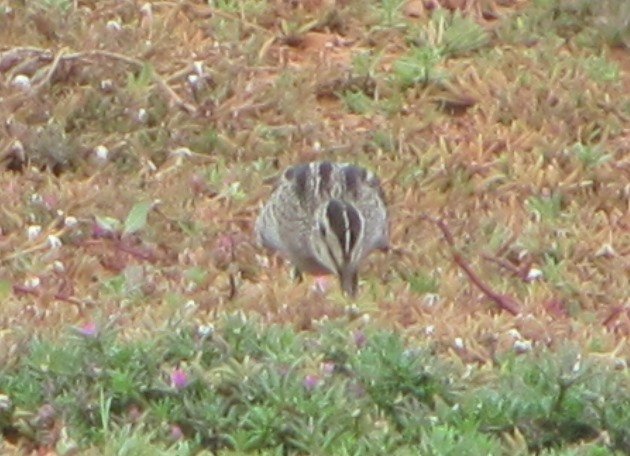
<point>505,302</point>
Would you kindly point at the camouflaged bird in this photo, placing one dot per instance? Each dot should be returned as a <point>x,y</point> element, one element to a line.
<point>326,218</point>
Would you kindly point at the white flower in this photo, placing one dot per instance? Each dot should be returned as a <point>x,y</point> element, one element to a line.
<point>353,311</point>
<point>205,330</point>
<point>70,221</point>
<point>146,9</point>
<point>113,26</point>
<point>22,82</point>
<point>607,251</point>
<point>522,346</point>
<point>101,152</point>
<point>54,242</point>
<point>534,274</point>
<point>514,334</point>
<point>33,232</point>
<point>578,364</point>
<point>430,299</point>
<point>198,67</point>
<point>262,261</point>
<point>193,80</point>
<point>107,85</point>
<point>36,198</point>
<point>143,115</point>
<point>32,283</point>
<point>181,152</point>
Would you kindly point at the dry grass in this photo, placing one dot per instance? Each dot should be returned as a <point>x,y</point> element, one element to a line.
<point>521,146</point>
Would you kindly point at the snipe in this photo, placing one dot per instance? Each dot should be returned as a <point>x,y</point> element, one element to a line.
<point>326,218</point>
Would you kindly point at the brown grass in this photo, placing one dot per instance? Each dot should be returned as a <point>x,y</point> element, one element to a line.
<point>483,152</point>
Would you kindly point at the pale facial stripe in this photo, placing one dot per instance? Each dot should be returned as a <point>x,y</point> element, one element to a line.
<point>347,234</point>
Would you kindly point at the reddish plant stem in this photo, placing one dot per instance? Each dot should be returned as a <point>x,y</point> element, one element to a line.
<point>138,253</point>
<point>504,264</point>
<point>504,302</point>
<point>614,315</point>
<point>61,296</point>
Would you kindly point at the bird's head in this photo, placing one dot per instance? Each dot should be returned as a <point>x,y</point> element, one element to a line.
<point>337,240</point>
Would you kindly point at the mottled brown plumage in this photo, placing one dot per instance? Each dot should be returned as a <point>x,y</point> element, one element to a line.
<point>326,218</point>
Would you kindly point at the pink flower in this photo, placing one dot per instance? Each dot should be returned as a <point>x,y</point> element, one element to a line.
<point>176,432</point>
<point>103,229</point>
<point>225,243</point>
<point>134,413</point>
<point>357,390</point>
<point>328,367</point>
<point>311,382</point>
<point>50,201</point>
<point>321,284</point>
<point>359,339</point>
<point>88,329</point>
<point>179,379</point>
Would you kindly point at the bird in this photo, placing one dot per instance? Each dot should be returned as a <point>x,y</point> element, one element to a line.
<point>325,218</point>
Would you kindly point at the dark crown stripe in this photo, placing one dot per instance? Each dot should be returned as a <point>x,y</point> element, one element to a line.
<point>325,173</point>
<point>300,175</point>
<point>336,219</point>
<point>354,177</point>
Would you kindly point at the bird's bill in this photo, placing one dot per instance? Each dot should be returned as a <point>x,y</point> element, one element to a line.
<point>349,280</point>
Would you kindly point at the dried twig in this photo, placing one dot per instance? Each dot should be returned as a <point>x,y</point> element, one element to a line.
<point>503,301</point>
<point>63,56</point>
<point>160,82</point>
<point>51,71</point>
<point>521,272</point>
<point>616,312</point>
<point>23,290</point>
<point>43,245</point>
<point>114,241</point>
